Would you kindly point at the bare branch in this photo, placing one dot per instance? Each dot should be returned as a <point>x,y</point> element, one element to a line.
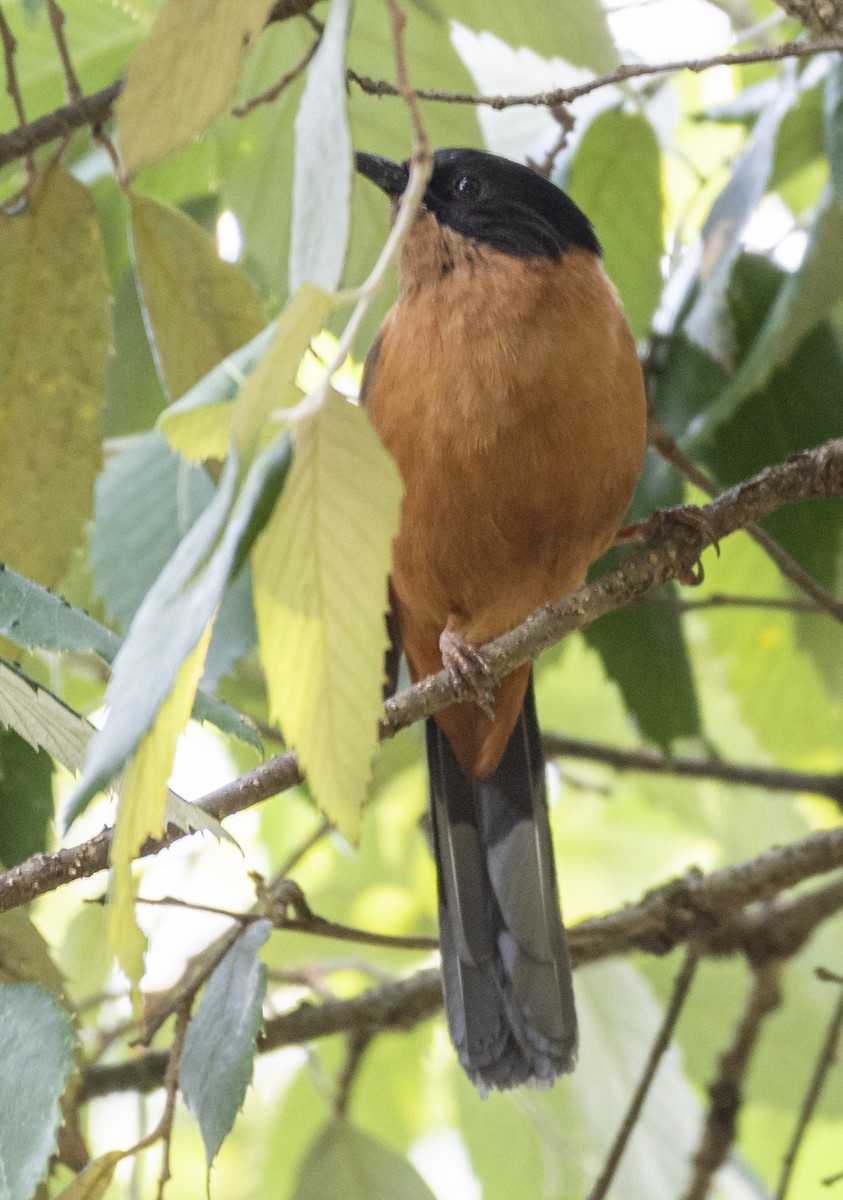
<point>681,987</point>
<point>773,779</point>
<point>817,472</point>
<point>725,1090</point>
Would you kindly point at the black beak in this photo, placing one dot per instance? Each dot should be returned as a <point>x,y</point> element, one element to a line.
<point>390,177</point>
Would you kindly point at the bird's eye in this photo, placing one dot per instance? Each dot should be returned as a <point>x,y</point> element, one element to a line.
<point>467,187</point>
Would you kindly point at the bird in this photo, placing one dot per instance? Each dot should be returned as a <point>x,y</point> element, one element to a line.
<point>506,385</point>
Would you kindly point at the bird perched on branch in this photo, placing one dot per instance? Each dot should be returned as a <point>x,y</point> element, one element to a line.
<point>506,385</point>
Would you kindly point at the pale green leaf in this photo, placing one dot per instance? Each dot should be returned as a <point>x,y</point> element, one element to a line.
<point>323,163</point>
<point>319,576</point>
<point>24,954</point>
<point>177,609</point>
<point>142,808</point>
<point>42,719</point>
<point>575,30</point>
<point>616,179</point>
<point>807,295</point>
<point>219,1049</point>
<point>198,308</point>
<point>708,323</point>
<point>182,76</point>
<point>345,1162</point>
<point>94,1181</point>
<point>54,340</point>
<point>34,617</point>
<point>191,819</point>
<point>272,383</point>
<point>36,1046</point>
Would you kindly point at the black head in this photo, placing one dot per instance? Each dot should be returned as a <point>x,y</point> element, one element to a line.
<point>494,201</point>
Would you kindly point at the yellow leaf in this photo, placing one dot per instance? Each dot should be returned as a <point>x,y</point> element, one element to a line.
<point>143,803</point>
<point>54,340</point>
<point>93,1183</point>
<point>198,433</point>
<point>320,586</point>
<point>270,385</point>
<point>198,307</point>
<point>182,76</point>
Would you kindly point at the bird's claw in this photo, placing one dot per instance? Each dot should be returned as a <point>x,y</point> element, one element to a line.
<point>467,668</point>
<point>688,515</point>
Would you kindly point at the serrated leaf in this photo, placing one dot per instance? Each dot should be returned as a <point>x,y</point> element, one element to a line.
<point>26,799</point>
<point>34,617</point>
<point>177,609</point>
<point>94,1181</point>
<point>198,308</point>
<point>198,426</point>
<point>319,576</point>
<point>182,76</point>
<point>806,296</point>
<point>141,811</point>
<point>707,324</point>
<point>576,29</point>
<point>133,540</point>
<point>323,165</point>
<point>191,819</point>
<point>41,719</point>
<point>616,178</point>
<point>54,340</point>
<point>219,1048</point>
<point>343,1161</point>
<point>36,1045</point>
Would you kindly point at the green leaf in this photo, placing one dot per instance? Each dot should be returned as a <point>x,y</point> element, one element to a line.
<point>24,954</point>
<point>834,125</point>
<point>323,163</point>
<point>182,76</point>
<point>707,324</point>
<point>198,308</point>
<point>54,340</point>
<point>644,651</point>
<point>191,819</point>
<point>41,719</point>
<point>94,1181</point>
<point>26,799</point>
<point>319,574</point>
<point>576,30</point>
<point>141,811</point>
<point>805,297</point>
<point>36,1046</point>
<point>219,1049</point>
<point>176,611</point>
<point>133,540</point>
<point>616,178</point>
<point>343,1161</point>
<point>33,617</point>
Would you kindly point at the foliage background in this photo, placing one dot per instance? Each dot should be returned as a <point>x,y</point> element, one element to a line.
<point>717,197</point>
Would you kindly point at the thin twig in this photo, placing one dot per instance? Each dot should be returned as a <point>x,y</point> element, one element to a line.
<point>824,1063</point>
<point>558,96</point>
<point>774,779</point>
<point>357,1043</point>
<point>725,1091</point>
<point>667,447</point>
<point>57,19</point>
<point>681,988</point>
<point>13,88</point>
<point>817,472</point>
<point>283,83</point>
<point>728,600</point>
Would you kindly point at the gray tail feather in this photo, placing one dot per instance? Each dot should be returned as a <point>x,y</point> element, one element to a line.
<point>507,975</point>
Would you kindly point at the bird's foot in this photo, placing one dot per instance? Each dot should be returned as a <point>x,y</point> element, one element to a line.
<point>687,515</point>
<point>467,668</point>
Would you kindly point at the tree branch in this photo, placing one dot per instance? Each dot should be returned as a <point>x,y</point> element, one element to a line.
<point>817,472</point>
<point>773,779</point>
